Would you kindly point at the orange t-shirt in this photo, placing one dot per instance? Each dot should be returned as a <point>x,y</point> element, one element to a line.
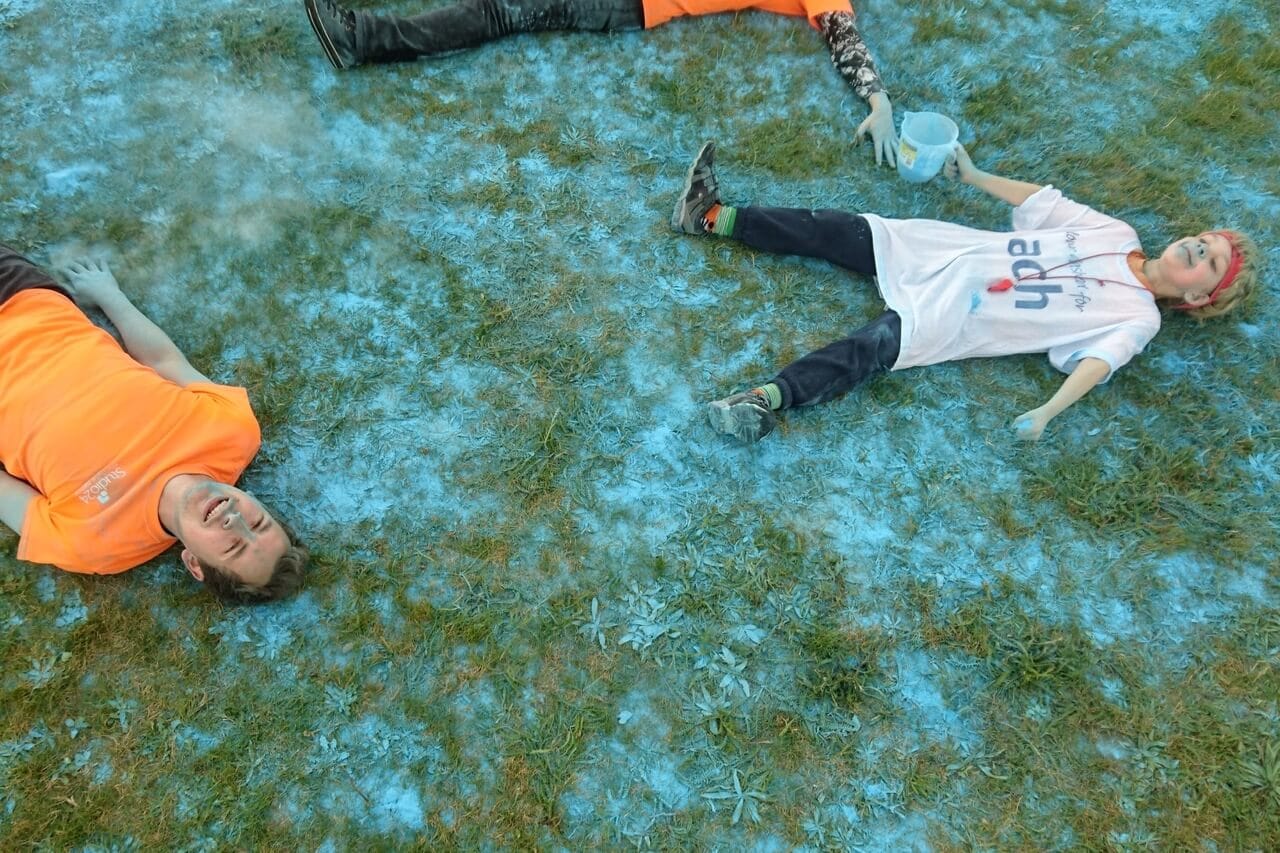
<point>658,12</point>
<point>98,435</point>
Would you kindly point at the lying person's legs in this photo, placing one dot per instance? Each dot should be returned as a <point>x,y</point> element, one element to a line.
<point>839,367</point>
<point>817,377</point>
<point>842,238</point>
<point>357,37</point>
<point>832,235</point>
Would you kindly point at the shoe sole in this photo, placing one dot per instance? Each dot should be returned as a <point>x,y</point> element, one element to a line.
<point>725,422</point>
<point>677,215</point>
<point>326,43</point>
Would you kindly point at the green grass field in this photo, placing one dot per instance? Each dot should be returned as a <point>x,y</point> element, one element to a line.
<point>549,608</point>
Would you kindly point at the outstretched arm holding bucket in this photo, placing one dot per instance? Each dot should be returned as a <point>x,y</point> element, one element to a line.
<point>960,167</point>
<point>1088,372</point>
<point>1065,280</point>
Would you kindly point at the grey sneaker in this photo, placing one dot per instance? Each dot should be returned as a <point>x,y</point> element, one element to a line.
<point>336,29</point>
<point>744,416</point>
<point>700,193</point>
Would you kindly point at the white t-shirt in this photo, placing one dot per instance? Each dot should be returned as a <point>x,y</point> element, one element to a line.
<point>936,274</point>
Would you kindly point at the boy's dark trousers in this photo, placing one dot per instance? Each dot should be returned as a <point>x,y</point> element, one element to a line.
<point>392,38</point>
<point>18,274</point>
<point>843,239</point>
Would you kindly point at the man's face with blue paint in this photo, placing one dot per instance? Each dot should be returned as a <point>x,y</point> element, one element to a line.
<point>223,526</point>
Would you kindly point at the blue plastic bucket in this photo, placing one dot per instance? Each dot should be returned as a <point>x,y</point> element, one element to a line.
<point>923,145</point>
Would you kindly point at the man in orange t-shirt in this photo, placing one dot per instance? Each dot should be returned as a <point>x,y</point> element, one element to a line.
<point>110,456</point>
<point>355,37</point>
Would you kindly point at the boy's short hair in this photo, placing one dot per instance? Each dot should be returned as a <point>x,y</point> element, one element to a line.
<point>1242,286</point>
<point>285,578</point>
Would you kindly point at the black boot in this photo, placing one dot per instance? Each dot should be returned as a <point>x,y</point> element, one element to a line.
<point>336,29</point>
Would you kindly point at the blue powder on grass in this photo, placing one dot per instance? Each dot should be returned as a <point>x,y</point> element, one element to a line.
<point>398,806</point>
<point>46,588</point>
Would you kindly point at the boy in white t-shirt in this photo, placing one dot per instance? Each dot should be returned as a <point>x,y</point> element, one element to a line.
<point>1067,281</point>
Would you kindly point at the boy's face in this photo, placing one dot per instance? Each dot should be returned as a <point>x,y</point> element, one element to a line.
<point>223,526</point>
<point>1195,265</point>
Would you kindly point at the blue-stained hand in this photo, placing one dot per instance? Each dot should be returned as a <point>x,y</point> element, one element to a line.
<point>1030,425</point>
<point>879,124</point>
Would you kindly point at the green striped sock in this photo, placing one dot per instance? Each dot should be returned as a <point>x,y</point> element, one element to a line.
<point>724,221</point>
<point>774,393</point>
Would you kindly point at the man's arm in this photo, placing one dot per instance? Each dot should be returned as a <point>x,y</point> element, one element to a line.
<point>94,286</point>
<point>852,59</point>
<point>15,497</point>
<point>960,166</point>
<point>1088,373</point>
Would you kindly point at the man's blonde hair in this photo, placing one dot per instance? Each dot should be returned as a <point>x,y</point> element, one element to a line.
<point>1242,287</point>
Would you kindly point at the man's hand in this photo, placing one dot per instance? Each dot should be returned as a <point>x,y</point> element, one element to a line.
<point>880,125</point>
<point>1030,425</point>
<point>959,166</point>
<point>91,282</point>
<point>94,286</point>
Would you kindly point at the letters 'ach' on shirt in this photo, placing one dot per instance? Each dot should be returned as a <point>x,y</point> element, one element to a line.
<point>657,12</point>
<point>935,274</point>
<point>98,435</point>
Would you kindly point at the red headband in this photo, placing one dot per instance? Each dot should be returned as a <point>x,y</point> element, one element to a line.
<point>1233,269</point>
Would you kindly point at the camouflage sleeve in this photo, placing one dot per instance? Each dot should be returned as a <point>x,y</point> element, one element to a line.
<point>849,53</point>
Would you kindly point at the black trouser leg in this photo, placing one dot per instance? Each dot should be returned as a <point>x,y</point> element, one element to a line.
<point>839,367</point>
<point>843,239</point>
<point>18,274</point>
<point>392,38</point>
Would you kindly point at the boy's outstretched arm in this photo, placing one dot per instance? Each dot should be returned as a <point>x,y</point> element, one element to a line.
<point>1088,373</point>
<point>93,286</point>
<point>960,167</point>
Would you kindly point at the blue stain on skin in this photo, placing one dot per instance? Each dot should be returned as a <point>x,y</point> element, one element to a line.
<point>975,299</point>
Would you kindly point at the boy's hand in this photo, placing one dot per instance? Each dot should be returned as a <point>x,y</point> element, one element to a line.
<point>960,167</point>
<point>1029,426</point>
<point>880,125</point>
<point>91,282</point>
